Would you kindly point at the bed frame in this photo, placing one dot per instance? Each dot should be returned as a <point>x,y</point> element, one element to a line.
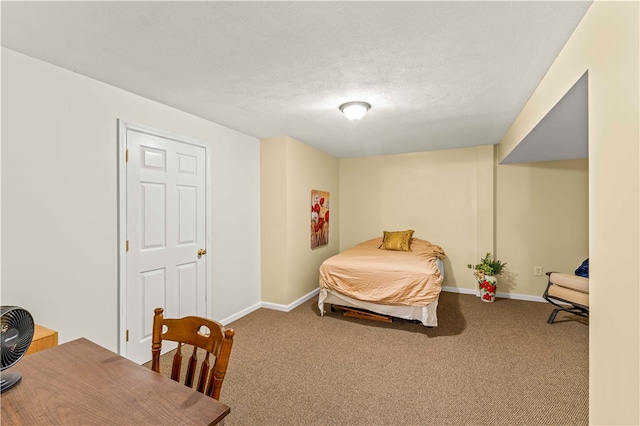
<point>427,315</point>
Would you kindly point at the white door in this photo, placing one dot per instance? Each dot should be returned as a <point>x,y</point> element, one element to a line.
<point>165,231</point>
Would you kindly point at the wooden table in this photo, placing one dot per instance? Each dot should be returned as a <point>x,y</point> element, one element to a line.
<point>80,382</point>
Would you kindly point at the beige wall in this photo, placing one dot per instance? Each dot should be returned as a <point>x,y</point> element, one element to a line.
<point>274,227</point>
<point>442,195</point>
<point>290,170</point>
<point>541,220</point>
<point>460,200</point>
<point>606,43</point>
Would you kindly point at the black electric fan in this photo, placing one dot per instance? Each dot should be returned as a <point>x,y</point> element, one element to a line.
<point>16,330</point>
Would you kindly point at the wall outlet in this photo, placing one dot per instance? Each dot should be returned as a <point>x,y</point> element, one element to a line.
<point>537,270</point>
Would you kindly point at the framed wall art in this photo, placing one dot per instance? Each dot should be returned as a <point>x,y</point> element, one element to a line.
<point>319,218</point>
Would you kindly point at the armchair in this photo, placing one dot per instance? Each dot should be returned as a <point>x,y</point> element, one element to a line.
<point>569,293</point>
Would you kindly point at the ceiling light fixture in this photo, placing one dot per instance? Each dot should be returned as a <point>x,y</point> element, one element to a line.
<point>355,110</point>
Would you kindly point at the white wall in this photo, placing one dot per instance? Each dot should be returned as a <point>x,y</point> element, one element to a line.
<point>59,199</point>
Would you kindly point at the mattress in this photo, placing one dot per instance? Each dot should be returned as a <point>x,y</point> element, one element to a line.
<point>393,283</point>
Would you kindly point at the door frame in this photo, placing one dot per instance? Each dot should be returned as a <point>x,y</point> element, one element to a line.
<point>123,126</point>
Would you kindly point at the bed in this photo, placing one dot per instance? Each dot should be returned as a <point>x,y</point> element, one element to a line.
<point>388,282</point>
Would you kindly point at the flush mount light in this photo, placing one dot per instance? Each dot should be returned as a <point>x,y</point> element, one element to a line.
<point>355,110</point>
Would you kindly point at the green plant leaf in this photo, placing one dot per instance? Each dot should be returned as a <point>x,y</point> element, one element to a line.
<point>488,265</point>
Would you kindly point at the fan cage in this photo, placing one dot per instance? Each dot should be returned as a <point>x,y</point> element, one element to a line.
<point>14,319</point>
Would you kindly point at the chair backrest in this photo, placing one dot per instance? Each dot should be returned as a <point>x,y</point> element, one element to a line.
<point>187,330</point>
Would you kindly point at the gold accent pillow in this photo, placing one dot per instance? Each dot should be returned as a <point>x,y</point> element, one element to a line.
<point>397,240</point>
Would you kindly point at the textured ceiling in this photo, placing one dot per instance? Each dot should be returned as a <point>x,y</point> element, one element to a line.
<point>439,75</point>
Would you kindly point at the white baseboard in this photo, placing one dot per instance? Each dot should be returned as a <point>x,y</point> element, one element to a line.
<point>240,314</point>
<point>300,301</point>
<point>459,290</point>
<point>274,306</point>
<point>502,295</point>
<point>291,306</point>
<point>526,297</point>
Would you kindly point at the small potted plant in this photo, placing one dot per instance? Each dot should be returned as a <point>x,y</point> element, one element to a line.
<point>485,273</point>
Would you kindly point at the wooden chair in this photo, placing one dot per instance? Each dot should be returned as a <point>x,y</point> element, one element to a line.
<point>188,331</point>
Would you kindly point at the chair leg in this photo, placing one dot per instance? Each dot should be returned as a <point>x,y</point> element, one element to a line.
<point>552,317</point>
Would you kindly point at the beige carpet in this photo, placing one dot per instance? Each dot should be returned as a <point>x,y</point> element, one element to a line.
<point>486,363</point>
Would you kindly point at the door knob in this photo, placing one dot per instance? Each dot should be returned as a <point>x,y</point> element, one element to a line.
<point>202,251</point>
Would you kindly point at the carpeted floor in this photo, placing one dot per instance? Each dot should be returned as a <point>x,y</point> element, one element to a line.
<point>485,364</point>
